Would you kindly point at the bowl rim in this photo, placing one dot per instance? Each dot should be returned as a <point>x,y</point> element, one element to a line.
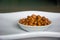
<point>33,26</point>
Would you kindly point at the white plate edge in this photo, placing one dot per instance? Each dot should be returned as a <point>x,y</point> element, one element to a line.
<point>31,34</point>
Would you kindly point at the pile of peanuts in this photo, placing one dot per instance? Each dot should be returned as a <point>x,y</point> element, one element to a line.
<point>35,20</point>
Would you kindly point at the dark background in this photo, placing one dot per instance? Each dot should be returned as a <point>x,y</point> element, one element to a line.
<point>24,5</point>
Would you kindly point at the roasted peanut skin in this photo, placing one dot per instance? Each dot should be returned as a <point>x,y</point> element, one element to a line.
<point>35,20</point>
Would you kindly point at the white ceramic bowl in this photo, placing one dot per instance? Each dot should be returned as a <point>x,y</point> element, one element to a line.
<point>33,28</point>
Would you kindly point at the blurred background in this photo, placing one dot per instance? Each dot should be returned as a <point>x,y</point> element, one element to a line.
<point>26,5</point>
